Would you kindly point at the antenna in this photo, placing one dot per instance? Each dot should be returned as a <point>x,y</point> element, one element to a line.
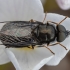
<point>68,32</point>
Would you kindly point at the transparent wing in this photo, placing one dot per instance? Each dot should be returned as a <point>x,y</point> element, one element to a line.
<point>18,34</point>
<point>17,10</point>
<point>17,29</point>
<point>18,42</point>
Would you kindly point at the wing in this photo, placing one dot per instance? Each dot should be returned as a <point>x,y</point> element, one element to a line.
<point>18,34</point>
<point>17,29</point>
<point>12,41</point>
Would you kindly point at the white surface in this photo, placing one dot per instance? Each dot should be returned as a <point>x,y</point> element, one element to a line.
<point>31,58</point>
<point>17,10</point>
<point>3,57</point>
<point>28,60</point>
<point>13,59</point>
<point>64,4</point>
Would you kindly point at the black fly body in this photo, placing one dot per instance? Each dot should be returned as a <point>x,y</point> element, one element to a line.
<point>17,34</point>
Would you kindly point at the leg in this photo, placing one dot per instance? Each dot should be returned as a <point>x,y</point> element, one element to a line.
<point>57,23</point>
<point>32,20</point>
<point>59,44</point>
<point>31,47</point>
<point>63,46</point>
<point>7,47</point>
<point>49,50</point>
<point>53,44</point>
<point>45,16</point>
<point>52,22</point>
<point>62,20</point>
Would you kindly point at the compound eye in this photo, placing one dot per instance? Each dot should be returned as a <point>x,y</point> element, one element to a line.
<point>61,36</point>
<point>61,28</point>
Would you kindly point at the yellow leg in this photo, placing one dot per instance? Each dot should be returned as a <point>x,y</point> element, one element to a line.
<point>45,17</point>
<point>57,23</point>
<point>59,44</point>
<point>31,47</point>
<point>32,20</point>
<point>52,22</point>
<point>49,50</point>
<point>62,20</point>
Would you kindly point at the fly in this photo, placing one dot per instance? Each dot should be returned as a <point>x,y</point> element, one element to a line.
<point>17,34</point>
